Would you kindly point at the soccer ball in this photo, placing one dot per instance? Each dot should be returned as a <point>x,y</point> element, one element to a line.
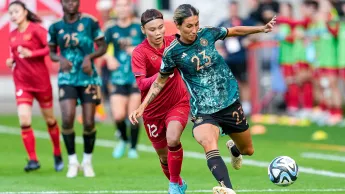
<point>283,171</point>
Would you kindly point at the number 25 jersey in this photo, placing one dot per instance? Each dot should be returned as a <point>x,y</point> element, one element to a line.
<point>208,78</point>
<point>76,40</point>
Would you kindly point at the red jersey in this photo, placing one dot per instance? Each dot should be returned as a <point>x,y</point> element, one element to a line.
<point>30,74</point>
<point>146,62</point>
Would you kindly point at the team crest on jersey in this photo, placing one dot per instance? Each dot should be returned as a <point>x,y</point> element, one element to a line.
<point>61,31</point>
<point>81,27</point>
<point>203,42</point>
<point>27,37</point>
<point>134,32</point>
<point>13,39</point>
<point>61,93</point>
<point>154,57</point>
<point>116,35</point>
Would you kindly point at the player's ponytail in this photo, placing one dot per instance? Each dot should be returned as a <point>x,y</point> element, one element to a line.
<point>149,15</point>
<point>30,16</point>
<point>184,11</point>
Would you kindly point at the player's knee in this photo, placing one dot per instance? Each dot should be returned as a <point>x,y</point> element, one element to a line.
<point>89,126</point>
<point>119,117</point>
<point>24,119</point>
<point>50,120</point>
<point>67,124</point>
<point>247,151</point>
<point>208,143</point>
<point>173,141</point>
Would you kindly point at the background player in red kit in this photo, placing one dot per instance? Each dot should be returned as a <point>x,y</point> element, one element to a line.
<point>31,78</point>
<point>166,117</point>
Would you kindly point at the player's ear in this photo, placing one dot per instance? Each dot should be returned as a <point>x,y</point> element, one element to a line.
<point>177,25</point>
<point>143,30</point>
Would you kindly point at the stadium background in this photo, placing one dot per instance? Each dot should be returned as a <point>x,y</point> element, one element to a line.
<point>318,150</point>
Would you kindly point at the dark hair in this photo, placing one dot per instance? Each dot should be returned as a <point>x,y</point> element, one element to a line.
<point>149,15</point>
<point>31,16</point>
<point>232,2</point>
<point>184,11</point>
<point>312,3</point>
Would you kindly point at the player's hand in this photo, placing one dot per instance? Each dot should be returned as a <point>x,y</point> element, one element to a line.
<point>112,63</point>
<point>269,26</point>
<point>133,117</point>
<point>10,62</point>
<point>65,64</point>
<point>87,67</point>
<point>24,52</point>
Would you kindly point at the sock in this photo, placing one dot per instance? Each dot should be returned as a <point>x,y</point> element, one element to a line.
<point>122,127</point>
<point>54,133</point>
<point>29,142</point>
<point>218,168</point>
<point>235,152</point>
<point>166,172</point>
<point>323,106</point>
<point>175,158</point>
<point>339,111</point>
<point>134,135</point>
<point>292,98</point>
<point>89,142</point>
<point>69,140</point>
<point>72,159</point>
<point>87,158</point>
<point>307,92</point>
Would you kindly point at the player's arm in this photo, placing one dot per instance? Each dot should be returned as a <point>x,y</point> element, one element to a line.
<point>246,30</point>
<point>101,48</point>
<point>41,35</point>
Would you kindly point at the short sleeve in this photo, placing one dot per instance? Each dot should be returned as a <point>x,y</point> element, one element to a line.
<point>139,62</point>
<point>218,33</point>
<point>97,33</point>
<point>52,37</point>
<point>108,35</point>
<point>168,65</point>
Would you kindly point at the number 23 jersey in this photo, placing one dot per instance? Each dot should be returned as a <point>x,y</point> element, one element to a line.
<point>208,78</point>
<point>76,40</point>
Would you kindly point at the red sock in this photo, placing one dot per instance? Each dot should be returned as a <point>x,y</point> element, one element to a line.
<point>29,142</point>
<point>307,92</point>
<point>54,133</point>
<point>323,105</point>
<point>175,157</point>
<point>165,170</point>
<point>292,96</point>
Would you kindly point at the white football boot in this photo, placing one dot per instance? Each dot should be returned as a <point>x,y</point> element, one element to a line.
<point>222,190</point>
<point>236,162</point>
<point>88,170</point>
<point>73,169</point>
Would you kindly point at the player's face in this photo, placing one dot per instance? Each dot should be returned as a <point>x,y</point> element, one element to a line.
<point>285,10</point>
<point>17,13</point>
<point>189,28</point>
<point>154,31</point>
<point>70,6</point>
<point>123,9</point>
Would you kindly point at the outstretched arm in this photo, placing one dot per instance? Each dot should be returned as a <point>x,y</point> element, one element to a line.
<point>155,89</point>
<point>246,30</point>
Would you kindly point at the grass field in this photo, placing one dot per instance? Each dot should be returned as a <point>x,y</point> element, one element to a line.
<point>144,175</point>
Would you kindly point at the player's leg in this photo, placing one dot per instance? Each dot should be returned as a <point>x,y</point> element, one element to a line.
<point>306,89</point>
<point>206,133</point>
<point>89,97</point>
<point>68,96</point>
<point>336,99</point>
<point>118,104</point>
<point>133,104</point>
<point>45,100</point>
<point>24,108</point>
<point>176,121</point>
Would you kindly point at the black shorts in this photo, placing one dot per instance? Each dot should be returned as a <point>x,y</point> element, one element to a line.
<point>125,90</point>
<point>83,94</point>
<point>231,119</point>
<point>239,70</point>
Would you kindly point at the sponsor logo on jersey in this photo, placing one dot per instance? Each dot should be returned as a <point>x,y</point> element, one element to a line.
<point>203,42</point>
<point>80,27</point>
<point>19,92</point>
<point>61,31</point>
<point>116,35</point>
<point>184,55</point>
<point>154,57</point>
<point>13,39</point>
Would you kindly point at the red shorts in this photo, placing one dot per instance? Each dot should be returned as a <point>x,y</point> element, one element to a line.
<point>288,70</point>
<point>342,73</point>
<point>45,98</point>
<point>156,128</point>
<point>324,72</point>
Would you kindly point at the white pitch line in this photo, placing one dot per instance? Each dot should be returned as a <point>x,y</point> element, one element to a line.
<point>328,157</point>
<point>187,154</point>
<point>189,191</point>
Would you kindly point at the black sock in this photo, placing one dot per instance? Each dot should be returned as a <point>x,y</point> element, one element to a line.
<point>89,142</point>
<point>122,127</point>
<point>235,152</point>
<point>69,140</point>
<point>134,135</point>
<point>218,168</point>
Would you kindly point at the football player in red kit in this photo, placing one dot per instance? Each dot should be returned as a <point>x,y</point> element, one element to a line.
<point>166,117</point>
<point>28,44</point>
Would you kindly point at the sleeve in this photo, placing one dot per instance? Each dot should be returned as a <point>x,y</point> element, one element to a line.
<point>52,35</point>
<point>218,33</point>
<point>97,33</point>
<point>107,35</point>
<point>168,64</point>
<point>41,35</point>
